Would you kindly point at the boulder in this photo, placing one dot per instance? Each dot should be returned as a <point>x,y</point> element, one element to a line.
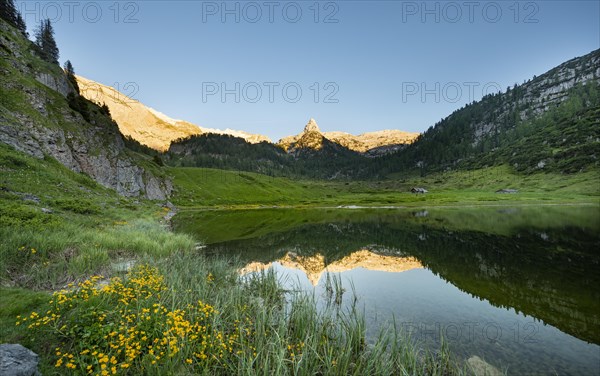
<point>16,360</point>
<point>507,190</point>
<point>419,190</point>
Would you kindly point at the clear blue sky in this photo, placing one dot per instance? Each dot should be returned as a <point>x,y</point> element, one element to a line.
<point>389,64</point>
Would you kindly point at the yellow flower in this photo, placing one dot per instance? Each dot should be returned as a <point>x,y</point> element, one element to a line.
<point>188,361</point>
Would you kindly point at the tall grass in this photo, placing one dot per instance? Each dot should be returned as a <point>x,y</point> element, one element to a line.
<point>49,257</point>
<point>186,314</point>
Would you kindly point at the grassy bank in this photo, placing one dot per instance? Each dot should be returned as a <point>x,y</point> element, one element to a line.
<point>208,188</point>
<point>186,315</point>
<point>176,312</point>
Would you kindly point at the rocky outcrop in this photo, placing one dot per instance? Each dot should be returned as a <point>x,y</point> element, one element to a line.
<point>40,123</point>
<point>310,138</point>
<point>145,124</point>
<point>16,360</point>
<point>373,143</point>
<point>370,143</point>
<point>56,82</point>
<point>542,93</point>
<point>85,151</point>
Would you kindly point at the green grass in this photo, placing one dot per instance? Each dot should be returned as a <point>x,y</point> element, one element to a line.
<point>187,315</point>
<point>209,188</point>
<point>89,226</point>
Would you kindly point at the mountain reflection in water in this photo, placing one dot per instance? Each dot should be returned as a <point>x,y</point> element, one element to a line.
<point>537,262</point>
<point>314,266</point>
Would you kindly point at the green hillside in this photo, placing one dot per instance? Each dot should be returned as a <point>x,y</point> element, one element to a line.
<point>549,123</point>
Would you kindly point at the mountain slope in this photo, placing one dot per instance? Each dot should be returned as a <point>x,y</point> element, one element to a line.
<point>38,118</point>
<point>146,125</point>
<point>549,123</point>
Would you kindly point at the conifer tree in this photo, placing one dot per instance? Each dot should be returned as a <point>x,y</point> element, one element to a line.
<point>70,72</point>
<point>10,14</point>
<point>44,39</point>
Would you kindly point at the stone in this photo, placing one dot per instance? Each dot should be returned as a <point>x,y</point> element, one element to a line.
<point>96,149</point>
<point>507,190</point>
<point>29,197</point>
<point>482,368</point>
<point>16,360</point>
<point>419,190</point>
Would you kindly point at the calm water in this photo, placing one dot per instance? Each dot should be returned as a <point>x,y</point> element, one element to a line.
<point>517,287</point>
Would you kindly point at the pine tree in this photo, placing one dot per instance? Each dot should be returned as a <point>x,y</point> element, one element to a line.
<point>10,14</point>
<point>44,39</point>
<point>70,72</point>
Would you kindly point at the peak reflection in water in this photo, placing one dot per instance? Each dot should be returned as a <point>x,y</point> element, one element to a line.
<point>536,261</point>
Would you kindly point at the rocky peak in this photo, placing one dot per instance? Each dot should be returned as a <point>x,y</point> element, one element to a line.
<point>312,126</point>
<point>380,142</point>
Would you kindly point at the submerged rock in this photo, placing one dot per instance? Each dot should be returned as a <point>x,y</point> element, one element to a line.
<point>482,368</point>
<point>16,360</point>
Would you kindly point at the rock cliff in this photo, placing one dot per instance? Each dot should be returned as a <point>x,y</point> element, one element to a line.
<point>35,118</point>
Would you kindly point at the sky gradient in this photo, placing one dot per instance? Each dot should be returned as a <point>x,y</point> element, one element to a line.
<point>360,65</point>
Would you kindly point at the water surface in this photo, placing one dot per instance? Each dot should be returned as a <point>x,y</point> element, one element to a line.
<point>514,286</point>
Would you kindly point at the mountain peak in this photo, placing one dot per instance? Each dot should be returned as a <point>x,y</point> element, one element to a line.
<point>312,126</point>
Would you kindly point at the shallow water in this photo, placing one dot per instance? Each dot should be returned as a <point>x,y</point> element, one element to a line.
<point>514,286</point>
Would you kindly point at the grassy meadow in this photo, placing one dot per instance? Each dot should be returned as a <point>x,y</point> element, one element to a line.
<point>200,188</point>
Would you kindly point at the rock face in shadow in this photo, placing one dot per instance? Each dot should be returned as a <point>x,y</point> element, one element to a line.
<point>16,360</point>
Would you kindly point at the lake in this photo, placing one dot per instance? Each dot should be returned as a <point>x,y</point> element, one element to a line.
<point>515,286</point>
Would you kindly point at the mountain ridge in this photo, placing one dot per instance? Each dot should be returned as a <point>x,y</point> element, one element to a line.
<point>365,143</point>
<point>159,130</point>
